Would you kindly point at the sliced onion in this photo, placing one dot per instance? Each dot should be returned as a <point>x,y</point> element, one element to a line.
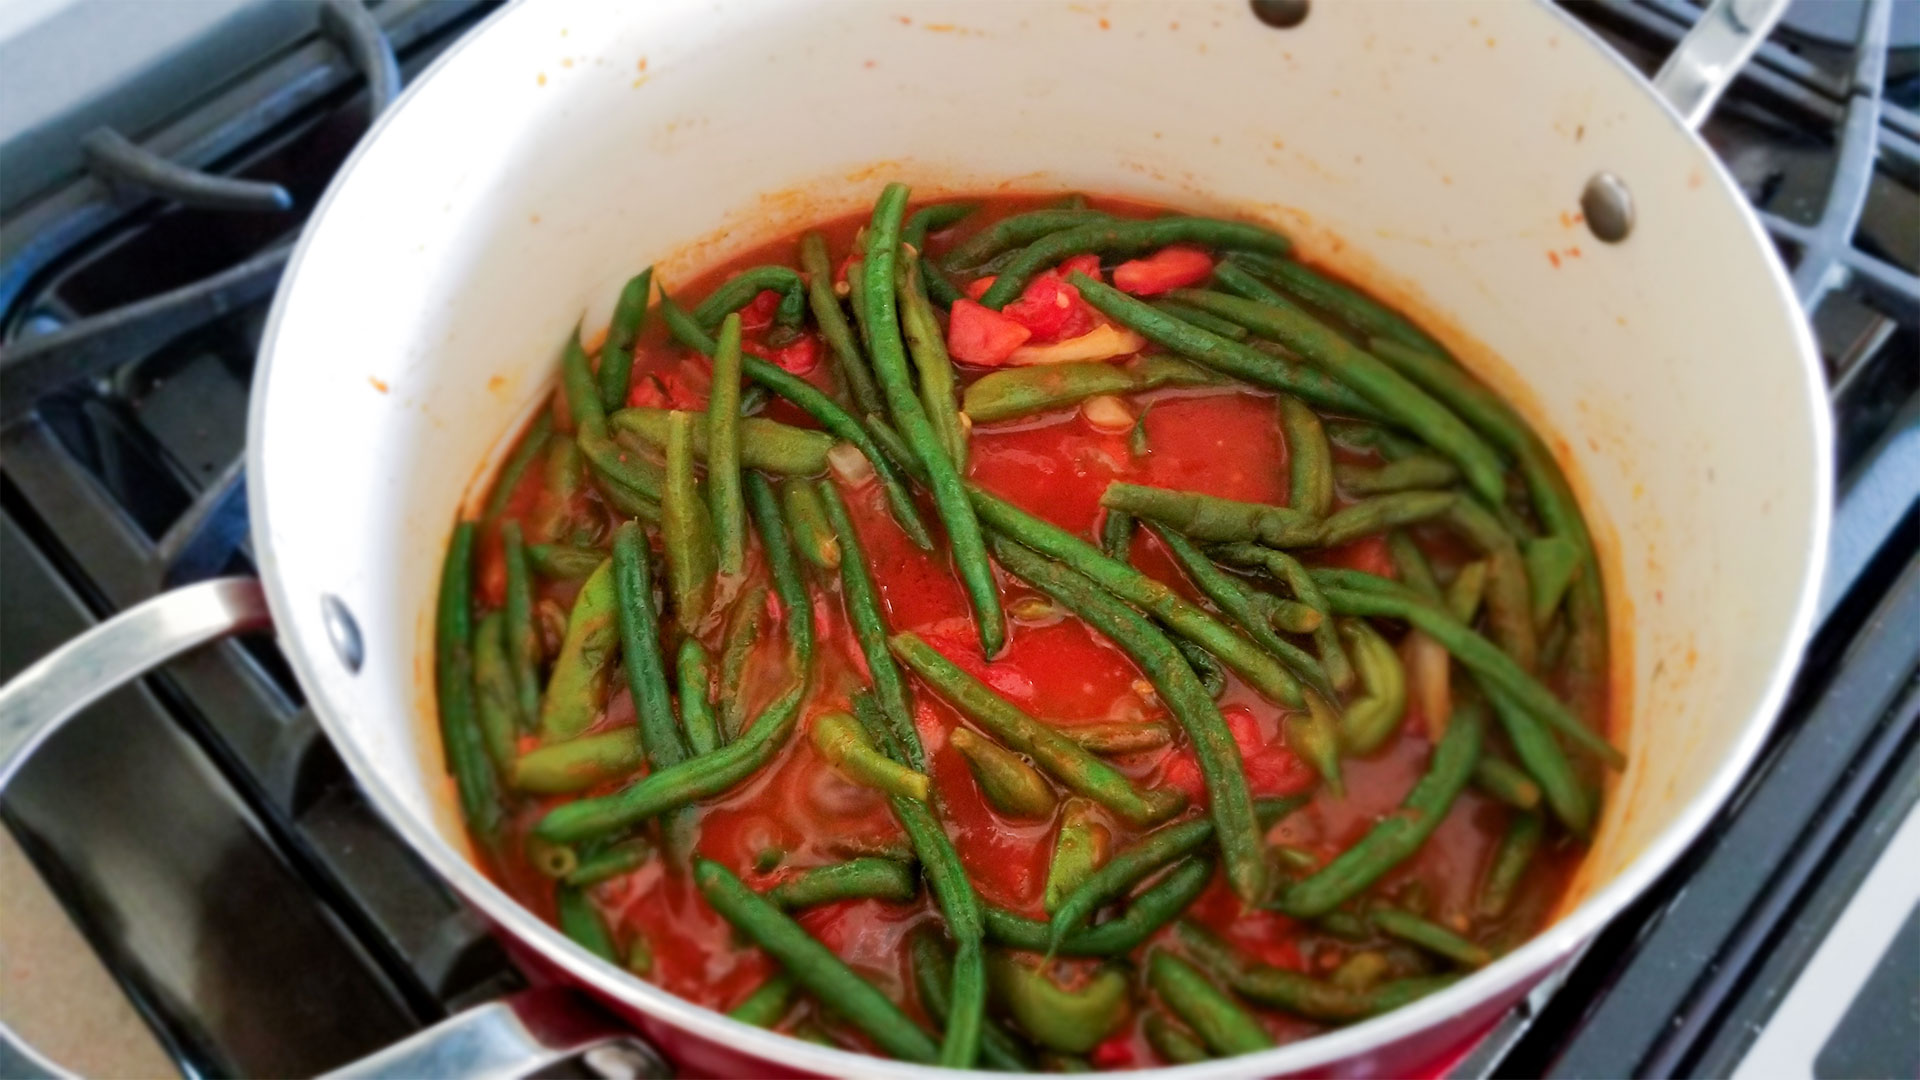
<point>1103,342</point>
<point>1107,413</point>
<point>1035,611</point>
<point>848,463</point>
<point>1429,680</point>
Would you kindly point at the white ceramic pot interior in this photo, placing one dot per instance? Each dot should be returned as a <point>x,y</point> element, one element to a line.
<point>1436,151</point>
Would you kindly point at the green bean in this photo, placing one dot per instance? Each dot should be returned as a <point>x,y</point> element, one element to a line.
<point>687,527</point>
<point>579,763</point>
<point>682,784</point>
<point>1205,668</point>
<point>1226,1028</point>
<point>1130,864</point>
<point>531,443</point>
<point>1137,444</point>
<point>927,346</point>
<point>769,1002</point>
<point>890,365</point>
<point>1145,914</point>
<point>1430,936</point>
<point>1466,591</point>
<point>833,323</point>
<point>1309,458</point>
<point>1509,604</point>
<point>1349,305</point>
<point>563,562</point>
<point>894,447</point>
<point>813,965</point>
<point>1335,671</point>
<point>1417,472</point>
<point>1238,603</point>
<point>933,219</point>
<point>764,444</point>
<point>1224,355</point>
<point>1122,238</point>
<point>1079,847</point>
<point>1361,970</point>
<point>1291,616</point>
<point>1009,784</point>
<point>807,522</point>
<point>744,623</point>
<point>1375,715</point>
<point>1383,512</point>
<point>616,353</point>
<point>1551,563</point>
<point>1211,518</point>
<point>696,709</point>
<point>1015,231</point>
<point>857,299</point>
<point>577,689</point>
<point>1399,835</point>
<point>1212,324</point>
<point>523,637</point>
<point>1230,804</point>
<point>1175,1044</point>
<point>460,734</point>
<point>866,708</point>
<point>1119,736</point>
<point>609,862</point>
<point>1566,796</point>
<point>1315,999</point>
<point>809,399</point>
<point>1116,535</point>
<point>1315,736</point>
<point>1390,392</point>
<point>1071,1021</point>
<point>953,893</point>
<point>1187,619</point>
<point>1075,767</point>
<point>1010,393</point>
<point>1509,864</point>
<point>870,629</point>
<point>1364,435</point>
<point>932,976</point>
<point>795,606</point>
<point>844,745</point>
<point>1553,499</point>
<point>723,452</point>
<point>624,478</point>
<point>496,699</point>
<point>741,289</point>
<point>1506,783</point>
<point>563,475</point>
<point>855,879</point>
<point>640,648</point>
<point>1412,566</point>
<point>580,921</point>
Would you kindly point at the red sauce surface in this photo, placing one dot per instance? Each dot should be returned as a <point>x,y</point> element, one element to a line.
<point>800,812</point>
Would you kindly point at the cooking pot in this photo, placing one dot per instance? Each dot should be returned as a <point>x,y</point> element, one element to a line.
<point>1489,166</point>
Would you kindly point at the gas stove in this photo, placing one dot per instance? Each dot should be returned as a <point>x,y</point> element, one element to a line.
<point>205,838</point>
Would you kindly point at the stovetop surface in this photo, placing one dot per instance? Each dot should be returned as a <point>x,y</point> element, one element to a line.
<point>207,840</point>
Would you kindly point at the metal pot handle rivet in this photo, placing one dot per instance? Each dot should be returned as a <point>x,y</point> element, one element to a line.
<point>1283,14</point>
<point>343,632</point>
<point>1608,207</point>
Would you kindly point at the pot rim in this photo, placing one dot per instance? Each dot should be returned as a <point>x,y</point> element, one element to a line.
<point>1572,930</point>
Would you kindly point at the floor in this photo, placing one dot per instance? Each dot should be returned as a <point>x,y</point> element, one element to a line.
<point>54,992</point>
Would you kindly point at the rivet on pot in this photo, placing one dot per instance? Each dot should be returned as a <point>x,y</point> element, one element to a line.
<point>1608,207</point>
<point>1284,14</point>
<point>342,631</point>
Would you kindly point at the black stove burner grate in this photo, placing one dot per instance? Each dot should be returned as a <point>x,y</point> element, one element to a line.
<point>208,841</point>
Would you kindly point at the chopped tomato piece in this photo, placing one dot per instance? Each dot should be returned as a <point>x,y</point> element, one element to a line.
<point>978,287</point>
<point>493,570</point>
<point>1051,309</point>
<point>1271,768</point>
<point>1163,271</point>
<point>663,390</point>
<point>1369,553</point>
<point>758,315</point>
<point>1085,264</point>
<point>982,336</point>
<point>800,357</point>
<point>1116,1052</point>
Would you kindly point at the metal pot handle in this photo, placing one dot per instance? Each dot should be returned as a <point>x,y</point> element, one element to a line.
<point>513,1037</point>
<point>1705,62</point>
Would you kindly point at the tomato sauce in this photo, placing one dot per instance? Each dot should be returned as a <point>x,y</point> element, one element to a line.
<point>799,812</point>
